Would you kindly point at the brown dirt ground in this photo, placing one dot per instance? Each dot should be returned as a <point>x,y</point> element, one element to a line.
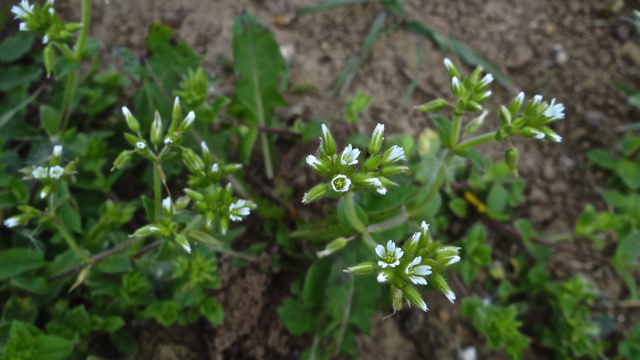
<point>562,49</point>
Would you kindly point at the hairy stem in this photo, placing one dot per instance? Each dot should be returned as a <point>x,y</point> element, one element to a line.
<point>352,216</point>
<point>457,119</point>
<point>476,141</point>
<point>411,212</point>
<point>71,242</point>
<point>157,191</point>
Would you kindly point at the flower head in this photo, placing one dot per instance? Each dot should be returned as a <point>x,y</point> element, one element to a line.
<point>140,145</point>
<point>417,271</point>
<point>389,256</point>
<point>56,172</point>
<point>340,183</point>
<point>215,168</point>
<point>392,155</point>
<point>57,150</point>
<point>238,210</point>
<point>12,222</point>
<point>349,156</point>
<point>22,11</point>
<point>313,162</point>
<point>40,172</point>
<point>554,111</point>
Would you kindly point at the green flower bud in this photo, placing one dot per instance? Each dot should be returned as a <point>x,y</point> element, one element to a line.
<point>316,193</point>
<point>45,191</point>
<point>144,231</point>
<point>187,124</point>
<point>334,246</point>
<point>319,166</point>
<point>217,194</point>
<point>367,181</point>
<point>551,135</point>
<point>451,69</point>
<point>425,239</point>
<point>457,88</point>
<point>511,158</point>
<point>224,224</point>
<point>376,141</point>
<point>328,145</point>
<point>392,170</point>
<point>371,163</point>
<point>182,241</point>
<point>206,154</point>
<point>231,168</point>
<point>441,284</point>
<point>123,159</point>
<point>156,129</point>
<point>386,182</point>
<point>228,192</point>
<point>473,79</point>
<point>480,98</point>
<point>132,139</point>
<point>505,116</point>
<point>202,237</point>
<point>182,203</point>
<point>433,106</point>
<point>167,207</point>
<point>410,246</point>
<point>49,56</point>
<point>516,104</point>
<point>193,161</point>
<point>501,134</point>
<point>411,294</point>
<point>531,133</point>
<point>131,120</point>
<point>176,116</point>
<point>475,123</point>
<point>196,196</point>
<point>473,106</point>
<point>364,269</point>
<point>482,84</point>
<point>533,105</point>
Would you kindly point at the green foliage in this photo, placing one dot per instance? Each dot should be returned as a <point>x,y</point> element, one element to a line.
<point>475,252</point>
<point>356,105</point>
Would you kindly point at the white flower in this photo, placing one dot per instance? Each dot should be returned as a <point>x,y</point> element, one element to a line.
<point>23,10</point>
<point>389,256</point>
<point>313,162</point>
<point>166,203</point>
<point>45,39</point>
<point>396,153</point>
<point>554,137</point>
<point>424,227</point>
<point>381,190</point>
<point>382,278</point>
<point>554,111</point>
<point>56,172</point>
<point>238,210</point>
<point>204,147</point>
<point>417,271</point>
<point>140,145</point>
<point>375,182</point>
<point>23,27</point>
<point>40,172</point>
<point>340,183</point>
<point>325,130</point>
<point>126,112</point>
<point>451,296</point>
<point>57,151</point>
<point>486,80</point>
<point>12,222</point>
<point>453,260</point>
<point>520,97</point>
<point>176,102</point>
<point>190,117</point>
<point>215,168</point>
<point>538,134</point>
<point>537,99</point>
<point>168,141</point>
<point>349,156</point>
<point>378,131</point>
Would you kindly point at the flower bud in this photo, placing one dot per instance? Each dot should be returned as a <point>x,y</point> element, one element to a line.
<point>410,246</point>
<point>433,106</point>
<point>441,284</point>
<point>531,133</point>
<point>231,168</point>
<point>49,56</point>
<point>511,158</point>
<point>327,142</point>
<point>196,196</point>
<point>480,98</point>
<point>364,269</point>
<point>516,104</point>
<point>206,154</point>
<point>412,295</point>
<point>505,116</point>
<point>56,155</point>
<point>386,182</point>
<point>372,163</point>
<point>228,192</point>
<point>396,299</point>
<point>316,193</point>
<point>144,231</point>
<point>167,207</point>
<point>45,192</point>
<point>334,246</point>
<point>473,79</point>
<point>362,180</point>
<point>224,225</point>
<point>392,170</point>
<point>395,153</point>
<point>476,123</point>
<point>132,139</point>
<point>472,106</point>
<point>156,129</point>
<point>193,161</point>
<point>501,134</point>
<point>202,237</point>
<point>376,140</point>
<point>182,203</point>
<point>176,116</point>
<point>122,159</point>
<point>456,87</point>
<point>317,165</point>
<point>532,106</point>
<point>187,124</point>
<point>451,69</point>
<point>480,86</point>
<point>131,120</point>
<point>425,240</point>
<point>217,194</point>
<point>182,241</point>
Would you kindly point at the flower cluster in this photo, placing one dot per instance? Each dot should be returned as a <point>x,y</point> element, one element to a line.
<point>409,265</point>
<point>50,176</point>
<point>44,21</point>
<point>530,123</point>
<point>470,91</point>
<point>340,168</point>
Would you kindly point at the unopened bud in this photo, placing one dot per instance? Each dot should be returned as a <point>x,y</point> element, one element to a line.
<point>364,269</point>
<point>206,154</point>
<point>167,207</point>
<point>317,165</point>
<point>482,84</point>
<point>182,241</point>
<point>451,69</point>
<point>131,120</point>
<point>396,299</point>
<point>182,203</point>
<point>505,116</point>
<point>49,56</point>
<point>365,180</point>
<point>332,247</point>
<point>433,106</point>
<point>193,161</point>
<point>456,87</point>
<point>132,139</point>
<point>476,123</point>
<point>372,163</point>
<point>412,295</point>
<point>188,122</point>
<point>123,159</point>
<point>392,170</point>
<point>511,158</point>
<point>196,196</point>
<point>441,284</point>
<point>531,133</point>
<point>532,106</point>
<point>480,98</point>
<point>231,168</point>
<point>203,237</point>
<point>473,106</point>
<point>516,104</point>
<point>327,141</point>
<point>376,140</point>
<point>316,193</point>
<point>156,129</point>
<point>228,192</point>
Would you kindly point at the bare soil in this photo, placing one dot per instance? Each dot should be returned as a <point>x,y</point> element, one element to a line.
<point>570,50</point>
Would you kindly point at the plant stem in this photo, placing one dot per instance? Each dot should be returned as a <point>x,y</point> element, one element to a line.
<point>71,242</point>
<point>352,216</point>
<point>476,141</point>
<point>435,187</point>
<point>73,76</point>
<point>157,190</point>
<point>457,119</point>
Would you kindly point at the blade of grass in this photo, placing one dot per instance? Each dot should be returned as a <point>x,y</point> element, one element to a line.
<point>414,82</point>
<point>4,119</point>
<point>329,4</point>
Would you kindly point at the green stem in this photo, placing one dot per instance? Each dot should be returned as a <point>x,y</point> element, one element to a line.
<point>71,242</point>
<point>435,187</point>
<point>457,120</point>
<point>64,49</point>
<point>368,240</point>
<point>352,216</point>
<point>476,141</point>
<point>73,76</point>
<point>157,190</point>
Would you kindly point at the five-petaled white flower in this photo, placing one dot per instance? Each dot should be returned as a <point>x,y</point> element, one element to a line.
<point>554,111</point>
<point>140,145</point>
<point>349,156</point>
<point>417,271</point>
<point>56,172</point>
<point>389,256</point>
<point>40,172</point>
<point>12,222</point>
<point>340,183</point>
<point>238,210</point>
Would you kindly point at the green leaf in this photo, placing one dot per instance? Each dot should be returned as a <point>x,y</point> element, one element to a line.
<point>70,217</point>
<point>16,46</point>
<point>79,320</point>
<point>458,206</point>
<point>629,172</point>
<point>149,208</point>
<point>586,224</point>
<point>50,118</point>
<point>372,202</point>
<point>18,260</point>
<point>63,67</point>
<point>497,199</point>
<point>628,250</point>
<point>124,342</point>
<point>165,312</point>
<point>18,75</point>
<point>296,318</point>
<point>212,310</point>
<point>602,158</point>
<point>36,285</point>
<point>525,229</point>
<point>315,282</point>
<point>247,142</point>
<point>475,157</point>
<point>218,103</point>
<point>356,105</point>
<point>19,190</point>
<point>118,263</point>
<point>312,130</point>
<point>91,47</point>
<point>444,127</point>
<point>112,323</point>
<point>21,344</point>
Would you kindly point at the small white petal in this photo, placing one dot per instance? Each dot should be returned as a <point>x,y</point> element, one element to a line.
<point>23,27</point>
<point>416,237</point>
<point>399,253</point>
<point>520,96</point>
<point>380,251</point>
<point>418,280</point>
<point>555,137</point>
<point>382,278</point>
<point>56,172</point>
<point>538,134</point>
<point>422,270</point>
<point>395,263</point>
<point>204,147</point>
<point>379,130</point>
<point>57,150</point>
<point>176,102</point>
<point>382,264</point>
<point>424,227</point>
<point>451,296</point>
<point>166,203</point>
<point>168,141</point>
<point>43,194</point>
<point>391,246</point>
<point>416,261</point>
<point>190,117</point>
<point>447,63</point>
<point>453,260</point>
<point>381,190</point>
<point>140,145</point>
<point>12,222</point>
<point>45,39</point>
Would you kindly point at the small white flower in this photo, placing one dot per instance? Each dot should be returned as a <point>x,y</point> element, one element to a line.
<point>215,168</point>
<point>23,10</point>
<point>538,134</point>
<point>204,147</point>
<point>375,182</point>
<point>51,11</point>
<point>140,145</point>
<point>451,296</point>
<point>166,203</point>
<point>349,156</point>
<point>57,151</point>
<point>340,183</point>
<point>417,271</point>
<point>186,248</point>
<point>40,172</point>
<point>453,260</point>
<point>154,229</point>
<point>381,190</point>
<point>168,141</point>
<point>396,153</point>
<point>12,222</point>
<point>486,80</point>
<point>190,117</point>
<point>520,97</point>
<point>415,238</point>
<point>56,172</point>
<point>554,137</point>
<point>238,210</point>
<point>424,227</point>
<point>313,162</point>
<point>45,39</point>
<point>126,112</point>
<point>554,111</point>
<point>389,256</point>
<point>537,99</point>
<point>378,131</point>
<point>23,27</point>
<point>382,278</point>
